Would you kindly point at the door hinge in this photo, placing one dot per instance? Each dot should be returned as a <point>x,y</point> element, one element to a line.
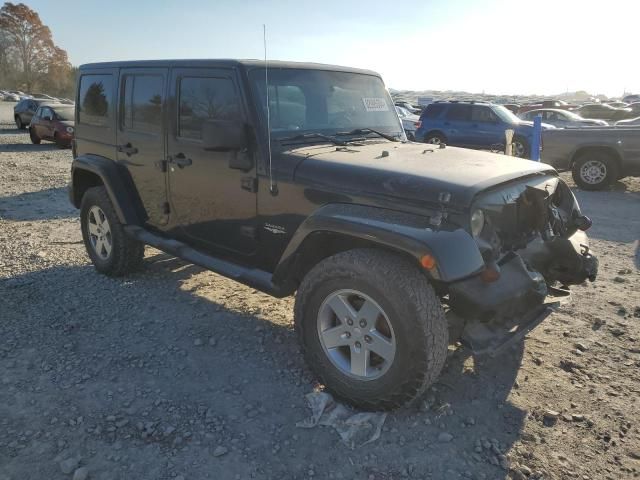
<point>166,208</point>
<point>249,184</point>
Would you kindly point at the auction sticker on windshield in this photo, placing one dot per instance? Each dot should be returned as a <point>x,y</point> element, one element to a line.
<point>375,104</point>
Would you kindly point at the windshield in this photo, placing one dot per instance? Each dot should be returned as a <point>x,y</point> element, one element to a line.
<point>505,114</point>
<point>304,100</point>
<point>65,114</point>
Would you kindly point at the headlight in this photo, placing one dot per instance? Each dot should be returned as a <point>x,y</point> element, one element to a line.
<point>70,129</point>
<point>477,222</point>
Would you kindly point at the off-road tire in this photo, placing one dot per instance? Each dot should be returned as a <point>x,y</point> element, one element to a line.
<point>412,307</point>
<point>35,139</point>
<point>435,138</point>
<point>19,123</point>
<point>126,254</point>
<point>613,172</point>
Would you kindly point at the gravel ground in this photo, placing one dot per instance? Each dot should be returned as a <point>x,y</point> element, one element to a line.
<point>177,373</point>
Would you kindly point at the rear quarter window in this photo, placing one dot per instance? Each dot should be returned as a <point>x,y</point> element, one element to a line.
<point>95,99</point>
<point>433,110</point>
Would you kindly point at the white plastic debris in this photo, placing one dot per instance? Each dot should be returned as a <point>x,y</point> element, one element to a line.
<point>355,429</point>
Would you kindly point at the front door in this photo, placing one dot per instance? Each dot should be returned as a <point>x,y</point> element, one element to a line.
<point>141,137</point>
<point>212,205</point>
<point>488,130</point>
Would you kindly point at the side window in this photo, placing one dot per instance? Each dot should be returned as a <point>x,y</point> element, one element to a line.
<point>38,113</point>
<point>94,106</point>
<point>434,110</point>
<point>46,113</point>
<point>141,107</point>
<point>459,112</point>
<point>205,98</point>
<point>483,114</point>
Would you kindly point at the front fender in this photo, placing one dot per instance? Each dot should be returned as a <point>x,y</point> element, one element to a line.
<point>116,181</point>
<point>456,253</point>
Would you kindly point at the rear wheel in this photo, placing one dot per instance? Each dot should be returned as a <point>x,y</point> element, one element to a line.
<point>595,170</point>
<point>372,328</point>
<point>435,138</point>
<point>35,139</point>
<point>110,249</point>
<point>19,123</point>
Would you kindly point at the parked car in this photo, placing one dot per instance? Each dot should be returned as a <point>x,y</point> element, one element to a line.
<point>410,122</point>
<point>474,125</point>
<point>596,157</point>
<point>512,107</point>
<point>43,96</point>
<point>555,104</point>
<point>628,122</point>
<point>53,122</point>
<point>371,233</point>
<point>11,97</point>
<point>561,118</point>
<point>66,101</point>
<point>617,104</point>
<point>631,98</point>
<point>24,110</point>
<point>603,112</point>
<point>408,106</point>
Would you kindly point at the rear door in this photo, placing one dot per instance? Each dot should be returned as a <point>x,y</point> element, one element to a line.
<point>141,137</point>
<point>213,206</point>
<point>457,124</point>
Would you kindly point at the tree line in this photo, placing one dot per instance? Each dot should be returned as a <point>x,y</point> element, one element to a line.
<point>30,61</point>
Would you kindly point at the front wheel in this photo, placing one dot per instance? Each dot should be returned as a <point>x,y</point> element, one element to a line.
<point>19,123</point>
<point>372,328</point>
<point>111,251</point>
<point>521,147</point>
<point>35,139</point>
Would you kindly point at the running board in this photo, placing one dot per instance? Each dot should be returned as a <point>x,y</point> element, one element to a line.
<point>253,277</point>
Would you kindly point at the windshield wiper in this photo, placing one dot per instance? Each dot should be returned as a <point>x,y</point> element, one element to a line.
<point>362,131</point>
<point>306,136</point>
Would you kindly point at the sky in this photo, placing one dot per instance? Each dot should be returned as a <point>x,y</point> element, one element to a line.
<point>497,46</point>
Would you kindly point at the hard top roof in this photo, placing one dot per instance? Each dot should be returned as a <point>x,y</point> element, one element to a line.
<point>213,63</point>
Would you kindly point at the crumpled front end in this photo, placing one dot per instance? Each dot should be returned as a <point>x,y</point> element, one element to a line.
<point>534,247</point>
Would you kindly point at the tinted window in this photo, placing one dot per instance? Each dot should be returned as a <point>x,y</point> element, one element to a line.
<point>95,99</point>
<point>459,112</point>
<point>202,99</point>
<point>483,114</point>
<point>142,106</point>
<point>433,110</point>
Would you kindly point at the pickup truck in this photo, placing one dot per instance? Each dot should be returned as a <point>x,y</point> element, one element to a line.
<point>596,156</point>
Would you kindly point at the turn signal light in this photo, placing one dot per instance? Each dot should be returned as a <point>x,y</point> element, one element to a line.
<point>428,262</point>
<point>489,275</point>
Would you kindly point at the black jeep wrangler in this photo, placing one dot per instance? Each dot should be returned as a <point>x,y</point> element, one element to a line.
<point>298,178</point>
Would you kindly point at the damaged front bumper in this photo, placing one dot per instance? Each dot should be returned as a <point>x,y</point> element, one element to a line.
<point>529,279</point>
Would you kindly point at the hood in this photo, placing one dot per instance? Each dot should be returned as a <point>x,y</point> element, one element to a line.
<point>412,171</point>
<point>67,123</point>
<point>526,123</point>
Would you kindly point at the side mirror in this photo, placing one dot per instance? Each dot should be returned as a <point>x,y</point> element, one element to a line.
<point>224,135</point>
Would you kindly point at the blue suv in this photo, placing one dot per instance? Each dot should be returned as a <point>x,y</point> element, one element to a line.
<point>474,125</point>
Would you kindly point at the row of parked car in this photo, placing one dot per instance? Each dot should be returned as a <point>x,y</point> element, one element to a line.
<point>17,95</point>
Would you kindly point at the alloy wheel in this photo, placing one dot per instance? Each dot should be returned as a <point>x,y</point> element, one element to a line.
<point>100,233</point>
<point>593,172</point>
<point>356,334</point>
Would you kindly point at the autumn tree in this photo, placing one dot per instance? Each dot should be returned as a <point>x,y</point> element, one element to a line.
<point>30,44</point>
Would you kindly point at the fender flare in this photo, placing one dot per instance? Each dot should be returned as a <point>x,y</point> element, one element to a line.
<point>117,183</point>
<point>456,253</point>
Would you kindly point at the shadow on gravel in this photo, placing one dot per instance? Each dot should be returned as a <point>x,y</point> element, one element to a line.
<point>40,205</point>
<point>162,374</point>
<point>614,214</point>
<point>29,147</point>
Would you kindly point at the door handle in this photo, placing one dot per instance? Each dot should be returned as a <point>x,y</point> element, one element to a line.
<point>180,160</point>
<point>127,149</point>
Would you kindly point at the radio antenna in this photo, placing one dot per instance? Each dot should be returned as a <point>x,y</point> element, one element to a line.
<point>273,189</point>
